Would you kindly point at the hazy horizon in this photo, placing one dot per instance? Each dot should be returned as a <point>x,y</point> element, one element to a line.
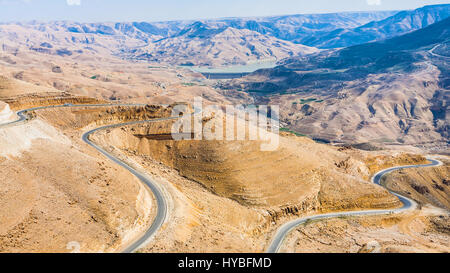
<point>91,11</point>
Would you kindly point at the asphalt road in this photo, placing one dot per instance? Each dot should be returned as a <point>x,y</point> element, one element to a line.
<point>431,51</point>
<point>282,232</point>
<point>22,115</point>
<point>162,203</point>
<point>150,184</point>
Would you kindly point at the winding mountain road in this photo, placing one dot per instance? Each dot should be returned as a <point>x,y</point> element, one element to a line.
<point>162,203</point>
<point>22,115</point>
<point>284,230</point>
<point>150,184</point>
<point>431,51</point>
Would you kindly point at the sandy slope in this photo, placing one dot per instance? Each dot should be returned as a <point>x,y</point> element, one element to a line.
<point>417,232</point>
<point>229,197</point>
<point>56,190</point>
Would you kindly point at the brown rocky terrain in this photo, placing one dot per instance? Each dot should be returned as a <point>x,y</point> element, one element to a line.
<point>113,80</point>
<point>239,170</point>
<point>201,173</point>
<point>223,46</point>
<point>202,46</point>
<point>256,37</point>
<point>424,231</point>
<point>223,196</point>
<point>426,186</point>
<point>57,191</point>
<point>397,112</point>
<point>389,92</point>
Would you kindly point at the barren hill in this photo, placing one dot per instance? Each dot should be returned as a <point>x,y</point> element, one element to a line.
<point>150,41</point>
<point>389,91</point>
<point>295,175</point>
<point>221,196</point>
<point>201,45</point>
<point>398,24</point>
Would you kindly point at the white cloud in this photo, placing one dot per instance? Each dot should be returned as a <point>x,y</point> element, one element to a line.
<point>74,2</point>
<point>374,2</point>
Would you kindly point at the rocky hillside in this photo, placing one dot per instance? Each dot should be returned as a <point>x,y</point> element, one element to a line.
<point>293,27</point>
<point>214,42</point>
<point>200,44</point>
<point>380,56</point>
<point>398,24</point>
<point>156,41</point>
<point>389,91</point>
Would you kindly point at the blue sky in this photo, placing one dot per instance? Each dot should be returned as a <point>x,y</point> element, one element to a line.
<point>163,10</point>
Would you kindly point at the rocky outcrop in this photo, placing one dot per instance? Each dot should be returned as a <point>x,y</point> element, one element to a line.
<point>5,113</point>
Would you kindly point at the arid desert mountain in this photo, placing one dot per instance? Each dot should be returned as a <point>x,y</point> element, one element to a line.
<point>201,45</point>
<point>292,27</point>
<point>220,191</point>
<point>398,24</point>
<point>98,197</point>
<point>28,73</point>
<point>47,204</point>
<point>390,91</point>
<point>197,44</point>
<point>382,102</point>
<point>213,42</point>
<point>57,39</point>
<point>149,41</point>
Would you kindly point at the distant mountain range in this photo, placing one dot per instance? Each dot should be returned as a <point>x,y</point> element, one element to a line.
<point>207,42</point>
<point>289,27</point>
<point>344,77</point>
<point>400,23</point>
<point>203,45</point>
<point>400,53</point>
<point>395,90</point>
<point>292,27</point>
<point>217,42</point>
<point>316,30</point>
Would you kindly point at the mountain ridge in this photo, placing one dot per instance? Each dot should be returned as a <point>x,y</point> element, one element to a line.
<point>203,46</point>
<point>398,24</point>
<point>390,91</point>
